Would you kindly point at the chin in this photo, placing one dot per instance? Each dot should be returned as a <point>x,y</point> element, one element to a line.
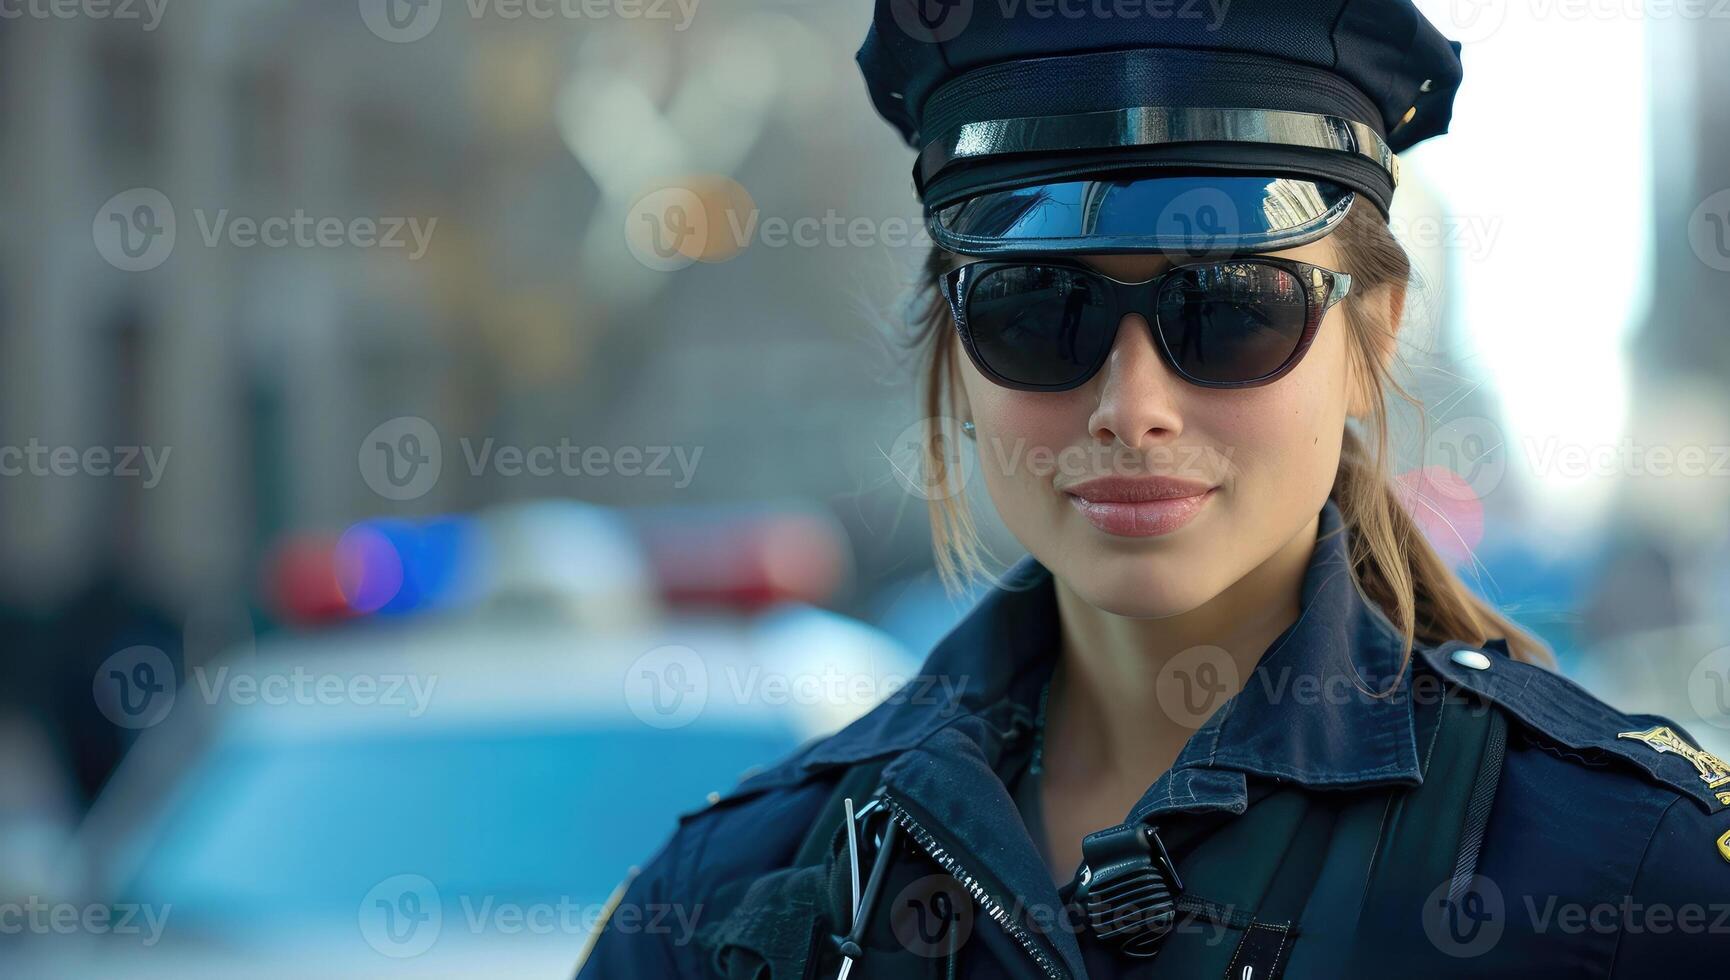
<point>1140,586</point>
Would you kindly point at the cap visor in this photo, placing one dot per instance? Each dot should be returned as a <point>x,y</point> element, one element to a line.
<point>1196,215</point>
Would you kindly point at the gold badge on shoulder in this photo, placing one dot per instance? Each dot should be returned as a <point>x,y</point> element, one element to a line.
<point>1714,772</point>
<point>1724,845</point>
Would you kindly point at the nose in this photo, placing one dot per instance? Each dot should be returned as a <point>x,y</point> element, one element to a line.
<point>1138,391</point>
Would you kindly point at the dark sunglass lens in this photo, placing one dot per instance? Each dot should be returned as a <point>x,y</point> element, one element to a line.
<point>1232,321</point>
<point>1039,324</point>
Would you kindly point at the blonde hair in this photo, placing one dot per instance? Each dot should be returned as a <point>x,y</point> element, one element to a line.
<point>1392,561</point>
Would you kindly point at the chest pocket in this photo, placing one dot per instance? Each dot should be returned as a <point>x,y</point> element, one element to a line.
<point>785,925</point>
<point>776,926</point>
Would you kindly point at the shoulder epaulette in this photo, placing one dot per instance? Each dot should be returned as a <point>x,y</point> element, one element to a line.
<point>1559,710</point>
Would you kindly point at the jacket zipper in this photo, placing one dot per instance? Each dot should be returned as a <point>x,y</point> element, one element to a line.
<point>930,845</point>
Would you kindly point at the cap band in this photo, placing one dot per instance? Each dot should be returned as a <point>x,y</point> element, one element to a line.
<point>1151,126</point>
<point>1196,215</point>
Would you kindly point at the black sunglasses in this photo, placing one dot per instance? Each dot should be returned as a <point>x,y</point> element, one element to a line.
<point>1230,323</point>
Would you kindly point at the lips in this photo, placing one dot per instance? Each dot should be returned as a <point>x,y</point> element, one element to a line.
<point>1139,507</point>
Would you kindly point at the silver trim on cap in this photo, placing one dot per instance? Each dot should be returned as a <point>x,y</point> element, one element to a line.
<point>1151,126</point>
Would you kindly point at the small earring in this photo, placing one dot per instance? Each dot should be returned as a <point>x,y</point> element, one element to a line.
<point>969,428</point>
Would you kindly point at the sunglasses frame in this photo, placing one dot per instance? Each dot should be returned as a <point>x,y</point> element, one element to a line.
<point>1325,287</point>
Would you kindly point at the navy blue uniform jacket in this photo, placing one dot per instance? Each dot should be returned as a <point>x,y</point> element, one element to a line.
<point>1608,857</point>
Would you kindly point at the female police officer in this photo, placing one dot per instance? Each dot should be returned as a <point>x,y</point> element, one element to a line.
<point>1232,716</point>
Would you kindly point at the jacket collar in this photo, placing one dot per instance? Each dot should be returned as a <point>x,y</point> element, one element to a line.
<point>1329,704</point>
<point>1300,716</point>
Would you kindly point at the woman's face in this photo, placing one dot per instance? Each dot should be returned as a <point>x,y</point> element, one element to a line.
<point>1264,458</point>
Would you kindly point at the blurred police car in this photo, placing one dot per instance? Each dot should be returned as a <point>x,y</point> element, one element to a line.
<point>457,792</point>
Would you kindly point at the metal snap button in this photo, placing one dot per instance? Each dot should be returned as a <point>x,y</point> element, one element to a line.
<point>1471,658</point>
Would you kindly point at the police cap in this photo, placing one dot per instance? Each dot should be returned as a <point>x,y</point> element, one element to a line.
<point>1154,125</point>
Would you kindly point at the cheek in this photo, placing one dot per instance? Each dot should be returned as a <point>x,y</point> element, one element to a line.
<point>1021,440</point>
<point>1287,432</point>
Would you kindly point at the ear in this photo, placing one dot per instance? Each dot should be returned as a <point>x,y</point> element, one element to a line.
<point>1383,309</point>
